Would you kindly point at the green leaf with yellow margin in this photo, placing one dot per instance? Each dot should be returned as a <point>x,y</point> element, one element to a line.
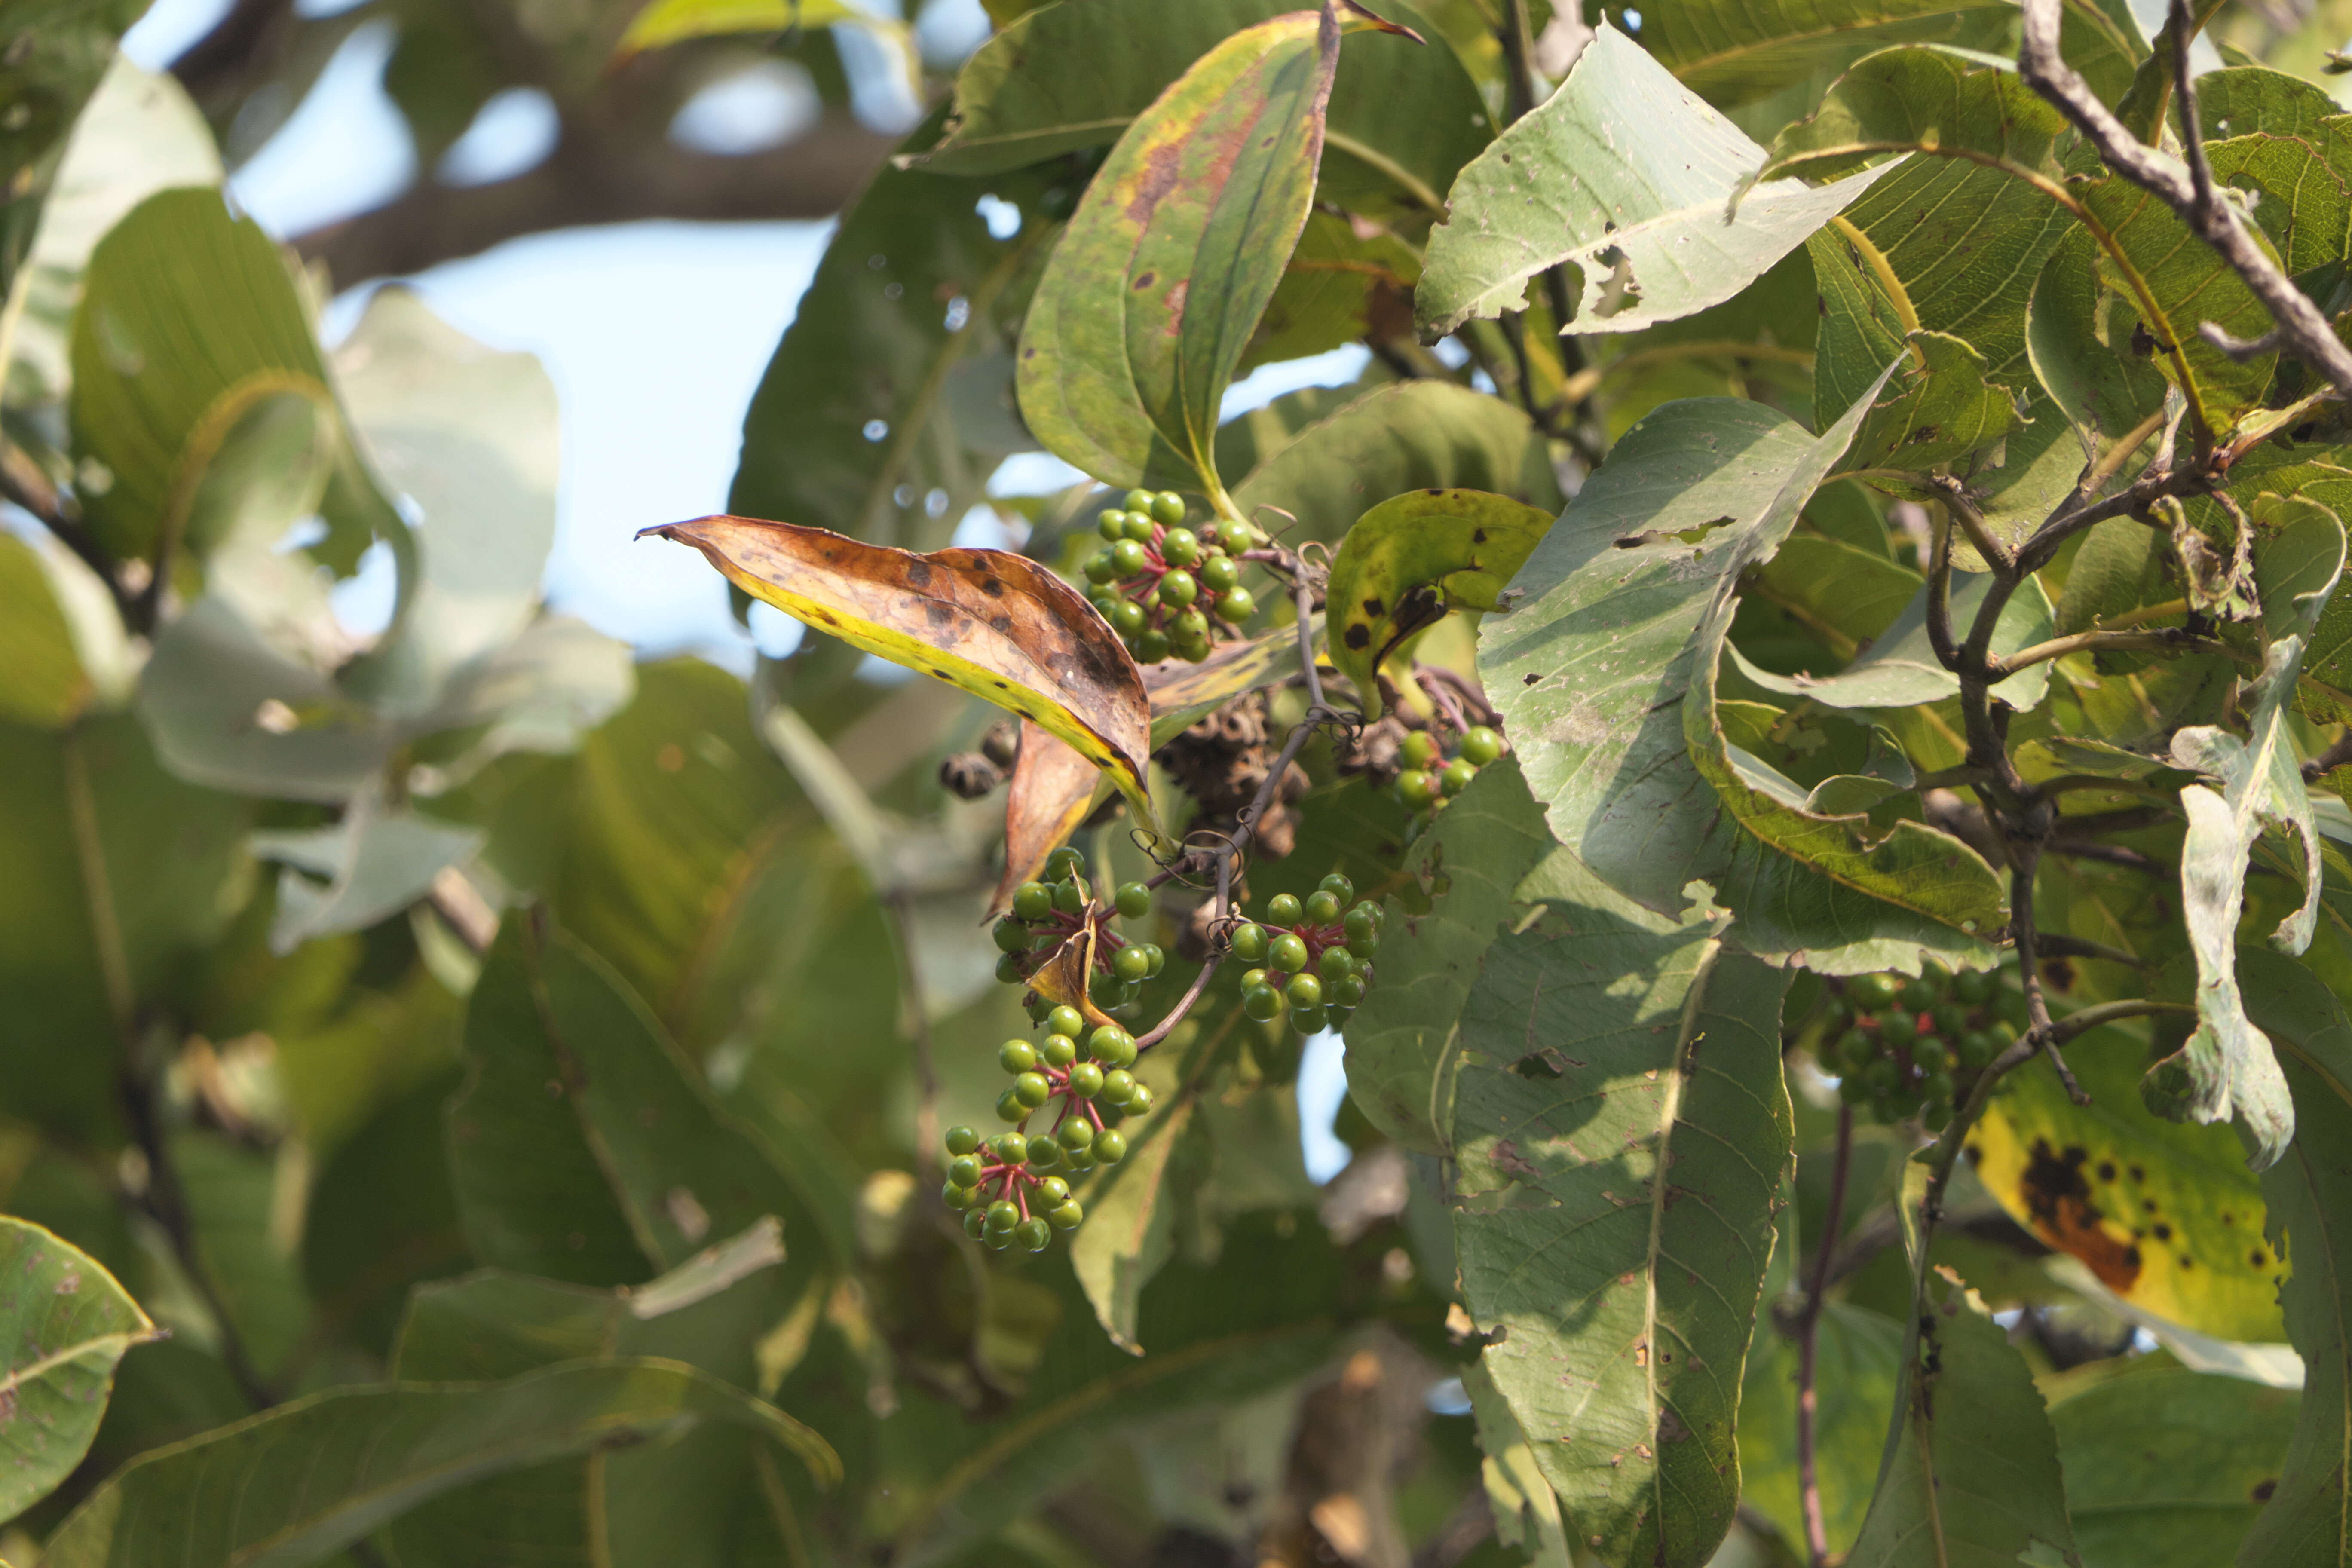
<point>992,623</point>
<point>1413,558</point>
<point>1154,291</point>
<point>672,21</point>
<point>2165,1214</point>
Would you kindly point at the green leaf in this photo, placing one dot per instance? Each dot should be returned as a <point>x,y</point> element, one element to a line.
<point>2246,100</point>
<point>1942,410</point>
<point>625,1171</point>
<point>1851,593</point>
<point>660,22</point>
<point>1406,436</point>
<point>1401,1042</point>
<point>1617,629</point>
<point>1899,669</point>
<point>1527,1511</point>
<point>66,1324</point>
<point>1621,1129</point>
<point>1154,290</point>
<point>1859,1357</point>
<point>1974,1475</point>
<point>58,56</point>
<point>2302,198</point>
<point>1342,286</point>
<point>2309,1516</point>
<point>1621,170</point>
<point>2227,1066</point>
<point>1403,114</point>
<point>301,1482</point>
<point>2168,1469</point>
<point>2166,1215</point>
<point>918,295</point>
<point>1413,558</point>
<point>1130,1229</point>
<point>60,639</point>
<point>2087,347</point>
<point>375,862</point>
<point>1730,51</point>
<point>1938,103</point>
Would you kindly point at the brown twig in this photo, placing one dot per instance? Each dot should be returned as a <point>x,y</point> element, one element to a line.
<point>2191,193</point>
<point>1808,1325</point>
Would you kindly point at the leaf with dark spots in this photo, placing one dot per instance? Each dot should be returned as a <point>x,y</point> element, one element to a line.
<point>997,624</point>
<point>1051,789</point>
<point>1422,553</point>
<point>1122,378</point>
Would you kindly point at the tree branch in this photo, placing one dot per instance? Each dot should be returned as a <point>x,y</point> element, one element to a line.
<point>2190,194</point>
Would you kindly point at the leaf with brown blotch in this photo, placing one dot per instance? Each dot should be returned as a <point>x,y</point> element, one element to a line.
<point>997,624</point>
<point>1051,789</point>
<point>1064,977</point>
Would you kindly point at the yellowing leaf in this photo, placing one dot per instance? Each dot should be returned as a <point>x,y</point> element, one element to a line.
<point>672,21</point>
<point>1156,288</point>
<point>1413,557</point>
<point>997,624</point>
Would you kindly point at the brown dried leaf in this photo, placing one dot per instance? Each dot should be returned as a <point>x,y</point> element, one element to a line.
<point>1052,788</point>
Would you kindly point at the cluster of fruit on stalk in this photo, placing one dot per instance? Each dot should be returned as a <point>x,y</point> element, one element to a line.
<point>1429,778</point>
<point>1157,583</point>
<point>1904,1047</point>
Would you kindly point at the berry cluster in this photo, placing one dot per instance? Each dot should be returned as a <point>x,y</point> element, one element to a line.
<point>1047,913</point>
<point>991,1182</point>
<point>1429,778</point>
<point>1904,1046</point>
<point>1157,583</point>
<point>1316,959</point>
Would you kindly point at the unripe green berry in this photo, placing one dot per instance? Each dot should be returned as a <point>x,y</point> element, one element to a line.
<point>975,1223</point>
<point>1951,1020</point>
<point>1058,1051</point>
<point>1480,745</point>
<point>1011,936</point>
<point>1150,646</point>
<point>1178,588</point>
<point>1237,536</point>
<point>1335,964</point>
<point>1321,907</point>
<point>1852,1089</point>
<point>1854,1050</point>
<point>1053,1190</point>
<point>1032,1090</point>
<point>1085,1080</point>
<point>1101,568</point>
<point>1066,1215</point>
<point>1917,995</point>
<point>1249,941</point>
<point>1128,559</point>
<point>1033,1234</point>
<point>1972,987</point>
<point>1009,1107</point>
<point>1879,1074</point>
<point>962,1141</point>
<point>1283,909</point>
<point>1004,1215</point>
<point>1168,507</point>
<point>1220,574</point>
<point>1008,969</point>
<point>1898,1028</point>
<point>963,1171</point>
<point>1044,1153</point>
<point>1111,1044</point>
<point>1076,1135</point>
<point>1310,1021</point>
<point>1066,1019</point>
<point>1016,1056</point>
<point>1156,957</point>
<point>1032,901</point>
<point>1415,788</point>
<point>1976,1049</point>
<point>1186,627</point>
<point>1419,749</point>
<point>1139,1101</point>
<point>1929,1054</point>
<point>1180,547</point>
<point>1011,1148</point>
<point>1118,1086</point>
<point>1935,1118</point>
<point>1287,954</point>
<point>1110,1145</point>
<point>1262,1003</point>
<point>1235,605</point>
<point>1871,993</point>
<point>1112,524</point>
<point>1064,863</point>
<point>1133,900</point>
<point>1303,991</point>
<point>1347,992</point>
<point>1935,1087</point>
<point>1360,924</point>
<point>1456,776</point>
<point>958,1198</point>
<point>1336,884</point>
<point>1131,964</point>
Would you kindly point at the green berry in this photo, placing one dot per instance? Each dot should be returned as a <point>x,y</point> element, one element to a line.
<point>1033,901</point>
<point>1480,745</point>
<point>1139,1102</point>
<point>1011,936</point>
<point>1303,991</point>
<point>1058,1051</point>
<point>1854,1050</point>
<point>1131,963</point>
<point>1249,941</point>
<point>1066,1215</point>
<point>1457,776</point>
<point>1133,900</point>
<point>1150,646</point>
<point>958,1198</point>
<point>1180,547</point>
<point>1009,1107</point>
<point>1157,957</point>
<point>1110,1145</point>
<point>1283,909</point>
<point>1219,574</point>
<point>1935,1089</point>
<point>1310,1021</point>
<point>1336,884</point>
<point>1345,991</point>
<point>1235,605</point>
<point>1917,995</point>
<point>1016,1056</point>
<point>1973,987</point>
<point>1178,588</point>
<point>1008,969</point>
<point>1168,507</point>
<point>1321,907</point>
<point>1336,963</point>
<point>1066,1020</point>
<point>1101,568</point>
<point>1076,1135</point>
<point>2010,1008</point>
<point>963,1171</point>
<point>1871,993</point>
<point>1879,1074</point>
<point>1287,953</point>
<point>1898,1028</point>
<point>1085,1080</point>
<point>1012,1148</point>
<point>1935,1118</point>
<point>1976,1049</point>
<point>1112,524</point>
<point>1419,749</point>
<point>1071,898</point>
<point>1044,1153</point>
<point>1032,1090</point>
<point>1361,925</point>
<point>1929,1054</point>
<point>1262,1003</point>
<point>1237,536</point>
<point>1128,559</point>
<point>1126,618</point>
<point>1033,1235</point>
<point>1136,500</point>
<point>975,1223</point>
<point>1951,1020</point>
<point>1053,1190</point>
<point>1064,864</point>
<point>1118,1086</point>
<point>1004,1215</point>
<point>1080,1160</point>
<point>1187,626</point>
<point>1416,789</point>
<point>1111,1044</point>
<point>1852,1089</point>
<point>962,1141</point>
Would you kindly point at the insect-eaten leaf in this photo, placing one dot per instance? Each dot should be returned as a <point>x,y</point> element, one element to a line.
<point>1413,558</point>
<point>1155,289</point>
<point>995,623</point>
